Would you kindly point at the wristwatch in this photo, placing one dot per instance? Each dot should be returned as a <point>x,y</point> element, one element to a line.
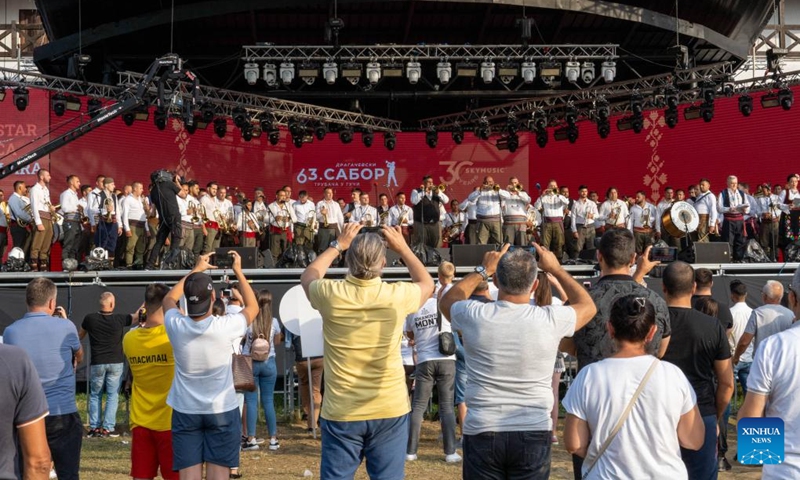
<point>481,270</point>
<point>335,244</point>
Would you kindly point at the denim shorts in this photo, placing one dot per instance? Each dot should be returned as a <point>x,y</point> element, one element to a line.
<point>211,438</point>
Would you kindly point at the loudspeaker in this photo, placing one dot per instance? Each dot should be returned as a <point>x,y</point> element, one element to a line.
<point>712,252</point>
<point>470,255</point>
<point>444,253</point>
<point>588,254</point>
<point>249,256</point>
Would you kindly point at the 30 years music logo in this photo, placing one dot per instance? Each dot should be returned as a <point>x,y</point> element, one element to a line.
<point>760,441</point>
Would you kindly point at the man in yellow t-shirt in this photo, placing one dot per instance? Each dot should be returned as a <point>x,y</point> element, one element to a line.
<point>365,413</point>
<point>149,354</point>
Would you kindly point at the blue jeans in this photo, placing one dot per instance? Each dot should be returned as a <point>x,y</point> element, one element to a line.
<point>702,464</point>
<point>265,374</point>
<point>106,236</point>
<point>346,444</point>
<point>507,455</point>
<point>742,370</point>
<point>461,372</point>
<point>104,377</point>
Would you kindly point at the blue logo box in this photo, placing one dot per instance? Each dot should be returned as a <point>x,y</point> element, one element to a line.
<point>760,441</point>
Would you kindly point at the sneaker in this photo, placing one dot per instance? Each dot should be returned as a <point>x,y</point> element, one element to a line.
<point>250,445</point>
<point>274,444</point>
<point>94,432</point>
<point>452,458</point>
<point>259,441</point>
<point>110,433</point>
<point>411,458</point>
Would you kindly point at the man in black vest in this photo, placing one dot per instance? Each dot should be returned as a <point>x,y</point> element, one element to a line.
<point>733,205</point>
<point>427,203</point>
<point>164,197</point>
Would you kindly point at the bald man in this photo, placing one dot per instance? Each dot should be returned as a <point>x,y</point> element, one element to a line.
<point>105,329</point>
<point>766,320</point>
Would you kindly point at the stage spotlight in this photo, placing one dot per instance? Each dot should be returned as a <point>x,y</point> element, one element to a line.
<point>671,97</point>
<point>467,69</point>
<point>367,138</point>
<point>528,72</point>
<point>512,125</point>
<point>93,107</point>
<point>207,111</point>
<point>251,73</point>
<point>707,111</point>
<point>220,127</point>
<point>708,90</point>
<point>274,136</point>
<point>571,116</point>
<point>308,72</point>
<point>637,103</point>
<point>602,109</point>
<point>346,135</point>
<point>458,134</point>
<point>487,72</point>
<point>746,105</point>
<point>296,128</point>
<point>510,143</point>
<point>247,132</point>
<point>21,98</point>
<point>609,71</point>
<point>432,137</point>
<point>59,104</point>
<point>287,72</point>
<point>507,71</point>
<point>270,74</point>
<point>240,118</point>
<point>604,128</point>
<point>541,137</point>
<point>413,72</point>
<point>389,140</point>
<point>320,131</point>
<point>572,70</point>
<point>373,72</point>
<point>190,127</point>
<point>160,118</point>
<point>550,72</point>
<point>392,70</point>
<point>633,122</point>
<point>266,123</point>
<point>786,98</point>
<point>569,133</point>
<point>129,117</point>
<point>587,72</point>
<point>444,71</point>
<point>330,71</point>
<point>482,131</point>
<point>671,117</point>
<point>352,72</point>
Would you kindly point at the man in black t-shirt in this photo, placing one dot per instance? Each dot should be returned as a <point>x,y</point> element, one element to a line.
<point>704,280</point>
<point>699,347</point>
<point>105,329</point>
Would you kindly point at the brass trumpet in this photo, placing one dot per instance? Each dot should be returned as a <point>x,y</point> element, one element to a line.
<point>496,187</point>
<point>442,187</point>
<point>518,187</point>
<point>55,216</point>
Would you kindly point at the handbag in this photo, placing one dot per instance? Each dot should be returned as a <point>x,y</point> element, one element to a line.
<point>623,417</point>
<point>447,344</point>
<point>242,366</point>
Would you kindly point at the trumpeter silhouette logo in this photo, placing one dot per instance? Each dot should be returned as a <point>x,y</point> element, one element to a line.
<point>760,441</point>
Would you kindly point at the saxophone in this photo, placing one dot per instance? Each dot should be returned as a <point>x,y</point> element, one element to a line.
<point>108,204</point>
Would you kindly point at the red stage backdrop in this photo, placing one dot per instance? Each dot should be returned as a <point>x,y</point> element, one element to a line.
<point>758,148</point>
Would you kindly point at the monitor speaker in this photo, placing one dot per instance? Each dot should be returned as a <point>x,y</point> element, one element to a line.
<point>470,255</point>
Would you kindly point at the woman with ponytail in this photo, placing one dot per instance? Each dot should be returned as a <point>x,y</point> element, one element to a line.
<point>630,414</point>
<point>264,328</point>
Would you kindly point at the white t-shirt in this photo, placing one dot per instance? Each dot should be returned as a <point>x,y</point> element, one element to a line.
<point>647,444</point>
<point>741,315</point>
<point>426,332</point>
<point>406,350</point>
<point>276,329</point>
<point>774,373</point>
<point>509,350</point>
<point>203,382</point>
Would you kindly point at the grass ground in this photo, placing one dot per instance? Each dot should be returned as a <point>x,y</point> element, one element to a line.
<point>109,458</point>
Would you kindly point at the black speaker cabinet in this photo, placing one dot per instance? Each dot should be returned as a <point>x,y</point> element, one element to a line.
<point>249,257</point>
<point>470,255</point>
<point>712,252</point>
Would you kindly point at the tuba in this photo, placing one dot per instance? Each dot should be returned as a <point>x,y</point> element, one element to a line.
<point>29,210</point>
<point>82,214</point>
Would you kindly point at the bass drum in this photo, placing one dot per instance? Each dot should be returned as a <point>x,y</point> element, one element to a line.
<point>680,219</point>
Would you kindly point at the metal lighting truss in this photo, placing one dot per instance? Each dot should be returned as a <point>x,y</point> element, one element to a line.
<point>686,81</point>
<point>12,78</point>
<point>371,53</point>
<point>281,111</point>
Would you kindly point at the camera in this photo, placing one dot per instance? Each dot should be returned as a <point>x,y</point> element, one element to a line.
<point>663,254</point>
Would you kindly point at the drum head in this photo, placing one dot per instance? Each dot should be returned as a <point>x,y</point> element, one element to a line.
<point>680,219</point>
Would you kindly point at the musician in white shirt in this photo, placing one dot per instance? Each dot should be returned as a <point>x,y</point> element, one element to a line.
<point>401,215</point>
<point>471,208</point>
<point>330,219</point>
<point>584,212</point>
<point>364,213</point>
<point>552,205</point>
<point>706,205</point>
<point>663,206</point>
<point>613,213</point>
<point>198,224</point>
<point>643,221</point>
<point>226,207</point>
<point>134,222</point>
<point>20,219</point>
<point>212,207</point>
<point>305,212</point>
<point>733,205</point>
<point>515,203</point>
<point>488,212</point>
<point>187,237</point>
<point>768,206</point>
<point>69,202</point>
<point>43,228</point>
<point>281,217</point>
<point>247,224</point>
<point>454,225</point>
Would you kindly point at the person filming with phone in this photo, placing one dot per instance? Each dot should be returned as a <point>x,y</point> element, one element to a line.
<point>206,425</point>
